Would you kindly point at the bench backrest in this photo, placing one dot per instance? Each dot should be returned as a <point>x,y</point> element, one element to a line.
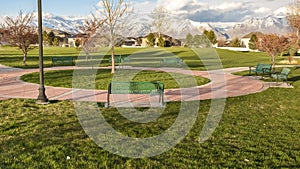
<point>62,60</point>
<point>136,88</point>
<point>171,61</point>
<point>285,71</point>
<point>264,67</point>
<point>117,59</point>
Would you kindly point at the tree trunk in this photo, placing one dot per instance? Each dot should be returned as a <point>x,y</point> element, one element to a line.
<point>86,50</point>
<point>112,59</point>
<point>273,63</point>
<point>112,50</point>
<point>87,54</point>
<point>297,34</point>
<point>24,58</point>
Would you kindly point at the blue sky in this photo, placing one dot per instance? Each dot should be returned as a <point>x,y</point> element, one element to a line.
<point>198,10</point>
<point>57,7</point>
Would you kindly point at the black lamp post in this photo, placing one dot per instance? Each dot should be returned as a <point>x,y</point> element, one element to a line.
<point>42,98</point>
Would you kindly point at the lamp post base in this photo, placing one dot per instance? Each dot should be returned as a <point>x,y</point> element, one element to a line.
<point>42,98</point>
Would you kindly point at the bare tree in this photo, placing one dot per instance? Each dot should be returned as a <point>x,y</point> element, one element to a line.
<point>161,20</point>
<point>293,16</point>
<point>113,11</point>
<point>90,28</point>
<point>20,33</point>
<point>273,45</point>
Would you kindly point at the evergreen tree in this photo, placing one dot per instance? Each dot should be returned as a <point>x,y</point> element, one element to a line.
<point>45,38</point>
<point>236,43</point>
<point>51,37</point>
<point>211,36</point>
<point>161,42</point>
<point>189,40</point>
<point>197,41</point>
<point>151,40</point>
<point>253,42</point>
<point>56,41</point>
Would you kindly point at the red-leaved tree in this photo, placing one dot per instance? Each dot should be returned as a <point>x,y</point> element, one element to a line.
<point>273,45</point>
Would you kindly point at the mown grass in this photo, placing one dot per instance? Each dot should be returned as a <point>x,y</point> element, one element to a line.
<point>257,131</point>
<point>12,57</point>
<point>104,77</point>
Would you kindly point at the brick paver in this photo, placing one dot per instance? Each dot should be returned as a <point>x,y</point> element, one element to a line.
<point>223,84</point>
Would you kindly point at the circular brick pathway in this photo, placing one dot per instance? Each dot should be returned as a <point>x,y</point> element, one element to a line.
<point>223,84</point>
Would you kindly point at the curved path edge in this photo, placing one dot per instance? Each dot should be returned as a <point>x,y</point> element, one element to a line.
<point>12,87</point>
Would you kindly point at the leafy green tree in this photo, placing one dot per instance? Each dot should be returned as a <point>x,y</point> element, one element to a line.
<point>236,42</point>
<point>151,40</point>
<point>253,42</point>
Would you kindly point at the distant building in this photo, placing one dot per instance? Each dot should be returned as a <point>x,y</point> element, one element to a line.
<point>169,41</point>
<point>72,39</point>
<point>246,39</point>
<point>131,42</point>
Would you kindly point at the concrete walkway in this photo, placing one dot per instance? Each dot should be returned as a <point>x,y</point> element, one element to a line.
<point>223,84</point>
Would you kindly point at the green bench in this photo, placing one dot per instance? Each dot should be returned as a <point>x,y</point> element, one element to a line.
<point>151,88</point>
<point>119,59</point>
<point>283,75</point>
<point>171,61</point>
<point>62,61</point>
<point>263,69</point>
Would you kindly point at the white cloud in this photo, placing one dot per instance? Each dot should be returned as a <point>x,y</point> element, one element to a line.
<point>143,7</point>
<point>211,10</point>
<point>262,10</point>
<point>228,6</point>
<point>172,5</point>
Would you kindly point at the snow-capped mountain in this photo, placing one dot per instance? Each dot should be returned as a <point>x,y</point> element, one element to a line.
<point>141,25</point>
<point>61,23</point>
<point>276,23</point>
<point>269,24</point>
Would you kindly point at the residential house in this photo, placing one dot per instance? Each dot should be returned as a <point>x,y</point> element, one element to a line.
<point>246,39</point>
<point>169,41</point>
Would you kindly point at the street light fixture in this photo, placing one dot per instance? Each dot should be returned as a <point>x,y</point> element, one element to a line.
<point>42,98</point>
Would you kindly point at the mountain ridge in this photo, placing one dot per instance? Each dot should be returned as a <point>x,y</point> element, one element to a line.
<point>141,25</point>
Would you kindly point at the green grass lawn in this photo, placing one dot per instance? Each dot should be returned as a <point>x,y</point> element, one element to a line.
<point>256,131</point>
<point>104,76</point>
<point>13,57</point>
